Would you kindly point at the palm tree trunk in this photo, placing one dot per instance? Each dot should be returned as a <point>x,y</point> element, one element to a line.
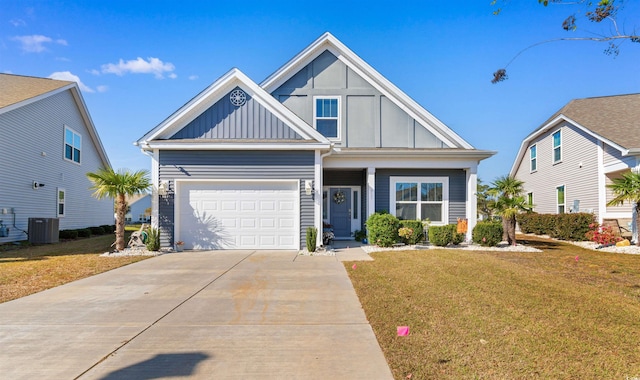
<point>505,229</point>
<point>511,233</point>
<point>121,209</point>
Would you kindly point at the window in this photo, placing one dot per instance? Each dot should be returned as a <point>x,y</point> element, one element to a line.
<point>355,204</point>
<point>61,198</point>
<point>72,145</point>
<point>530,200</point>
<point>325,205</point>
<point>557,147</point>
<point>533,156</point>
<point>326,118</point>
<point>414,198</point>
<point>561,197</point>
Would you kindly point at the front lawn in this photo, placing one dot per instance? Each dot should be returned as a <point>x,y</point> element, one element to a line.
<point>33,269</point>
<point>564,313</point>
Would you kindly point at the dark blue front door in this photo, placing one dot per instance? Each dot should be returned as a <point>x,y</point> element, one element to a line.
<point>340,211</point>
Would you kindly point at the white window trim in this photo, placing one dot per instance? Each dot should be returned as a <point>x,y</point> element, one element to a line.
<point>339,126</point>
<point>64,145</point>
<point>565,199</point>
<point>533,199</point>
<point>445,194</point>
<point>58,202</point>
<point>553,148</point>
<point>531,169</point>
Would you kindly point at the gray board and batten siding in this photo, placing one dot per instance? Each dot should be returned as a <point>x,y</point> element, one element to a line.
<point>457,188</point>
<point>368,119</point>
<point>230,165</point>
<point>223,120</point>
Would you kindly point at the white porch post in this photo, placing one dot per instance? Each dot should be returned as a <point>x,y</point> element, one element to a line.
<point>371,191</point>
<point>472,196</point>
<point>317,205</point>
<point>155,181</point>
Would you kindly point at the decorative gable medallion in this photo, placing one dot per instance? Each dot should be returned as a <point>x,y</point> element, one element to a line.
<point>237,97</point>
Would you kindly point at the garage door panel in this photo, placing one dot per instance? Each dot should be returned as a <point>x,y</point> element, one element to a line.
<point>238,215</point>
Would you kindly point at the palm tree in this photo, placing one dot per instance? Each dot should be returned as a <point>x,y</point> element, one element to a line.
<point>110,184</point>
<point>509,203</point>
<point>627,188</point>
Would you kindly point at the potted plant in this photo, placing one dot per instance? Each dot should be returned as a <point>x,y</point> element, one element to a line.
<point>179,246</point>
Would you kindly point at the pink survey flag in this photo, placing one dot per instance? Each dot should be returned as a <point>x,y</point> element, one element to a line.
<point>354,266</point>
<point>403,330</point>
<point>577,258</point>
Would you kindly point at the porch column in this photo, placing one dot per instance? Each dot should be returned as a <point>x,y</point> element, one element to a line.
<point>317,194</point>
<point>472,199</point>
<point>155,181</point>
<point>371,191</point>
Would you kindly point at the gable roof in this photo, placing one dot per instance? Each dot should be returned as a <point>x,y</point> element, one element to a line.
<point>19,91</point>
<point>614,120</point>
<point>327,42</point>
<point>159,136</point>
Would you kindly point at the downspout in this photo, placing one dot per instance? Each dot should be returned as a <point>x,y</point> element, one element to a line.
<point>319,203</point>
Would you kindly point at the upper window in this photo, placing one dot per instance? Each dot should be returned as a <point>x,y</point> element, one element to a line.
<point>72,145</point>
<point>326,116</point>
<point>533,156</point>
<point>61,199</point>
<point>557,147</point>
<point>421,198</point>
<point>561,199</point>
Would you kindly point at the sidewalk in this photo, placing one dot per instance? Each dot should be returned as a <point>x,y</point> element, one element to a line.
<point>196,315</point>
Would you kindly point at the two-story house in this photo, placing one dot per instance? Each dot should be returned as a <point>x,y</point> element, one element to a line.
<point>324,139</point>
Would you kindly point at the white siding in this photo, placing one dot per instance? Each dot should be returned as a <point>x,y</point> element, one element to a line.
<point>578,170</point>
<point>32,149</point>
<point>626,207</point>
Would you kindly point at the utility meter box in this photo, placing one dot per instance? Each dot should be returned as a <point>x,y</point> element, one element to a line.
<point>43,230</point>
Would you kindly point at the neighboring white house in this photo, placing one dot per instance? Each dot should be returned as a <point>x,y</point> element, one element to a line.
<point>48,145</point>
<point>139,209</point>
<point>567,162</point>
<point>324,139</point>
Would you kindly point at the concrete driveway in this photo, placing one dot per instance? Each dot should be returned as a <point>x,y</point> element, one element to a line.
<point>196,315</point>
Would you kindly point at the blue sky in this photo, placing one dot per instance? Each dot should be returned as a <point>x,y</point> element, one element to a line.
<point>139,61</point>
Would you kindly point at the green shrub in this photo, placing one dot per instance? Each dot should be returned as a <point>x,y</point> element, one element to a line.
<point>416,230</point>
<point>68,234</point>
<point>359,235</point>
<point>84,232</point>
<point>487,234</point>
<point>440,236</point>
<point>153,239</point>
<point>108,228</point>
<point>312,235</point>
<point>97,230</point>
<point>383,229</point>
<point>456,238</point>
<point>560,226</point>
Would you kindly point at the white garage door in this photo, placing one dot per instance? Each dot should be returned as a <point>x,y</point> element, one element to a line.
<point>238,215</point>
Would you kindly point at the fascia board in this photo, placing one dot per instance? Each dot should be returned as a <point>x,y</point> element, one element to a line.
<point>34,99</point>
<point>213,93</point>
<point>164,145</point>
<point>379,82</point>
<point>93,132</point>
<point>436,154</point>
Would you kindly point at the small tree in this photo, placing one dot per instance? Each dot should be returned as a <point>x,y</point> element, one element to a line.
<point>509,203</point>
<point>627,189</point>
<point>110,184</point>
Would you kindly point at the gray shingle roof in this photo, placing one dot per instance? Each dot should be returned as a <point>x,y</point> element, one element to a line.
<point>17,88</point>
<point>616,118</point>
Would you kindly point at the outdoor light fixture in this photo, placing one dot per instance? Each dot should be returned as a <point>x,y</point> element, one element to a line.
<point>162,188</point>
<point>308,186</point>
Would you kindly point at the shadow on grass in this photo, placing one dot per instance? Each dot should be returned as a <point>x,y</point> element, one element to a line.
<point>80,246</point>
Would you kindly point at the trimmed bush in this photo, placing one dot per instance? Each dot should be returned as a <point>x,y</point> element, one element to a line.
<point>440,236</point>
<point>383,229</point>
<point>68,234</point>
<point>416,230</point>
<point>456,238</point>
<point>84,232</point>
<point>96,230</point>
<point>312,235</point>
<point>108,228</point>
<point>487,234</point>
<point>560,226</point>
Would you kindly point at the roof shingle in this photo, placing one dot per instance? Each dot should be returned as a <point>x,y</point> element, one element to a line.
<point>17,88</point>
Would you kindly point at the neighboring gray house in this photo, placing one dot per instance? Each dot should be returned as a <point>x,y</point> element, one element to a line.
<point>139,209</point>
<point>567,162</point>
<point>48,144</point>
<point>325,139</point>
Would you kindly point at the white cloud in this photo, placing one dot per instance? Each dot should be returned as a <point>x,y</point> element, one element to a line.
<point>139,66</point>
<point>173,75</point>
<point>94,72</point>
<point>193,77</point>
<point>68,76</point>
<point>102,88</point>
<point>18,22</point>
<point>36,43</point>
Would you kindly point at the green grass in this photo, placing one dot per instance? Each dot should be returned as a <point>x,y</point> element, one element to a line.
<point>29,269</point>
<point>496,315</point>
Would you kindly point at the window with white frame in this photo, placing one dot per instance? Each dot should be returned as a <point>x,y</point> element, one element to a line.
<point>420,198</point>
<point>533,157</point>
<point>557,146</point>
<point>61,201</point>
<point>530,200</point>
<point>327,116</point>
<point>560,192</point>
<point>72,145</point>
